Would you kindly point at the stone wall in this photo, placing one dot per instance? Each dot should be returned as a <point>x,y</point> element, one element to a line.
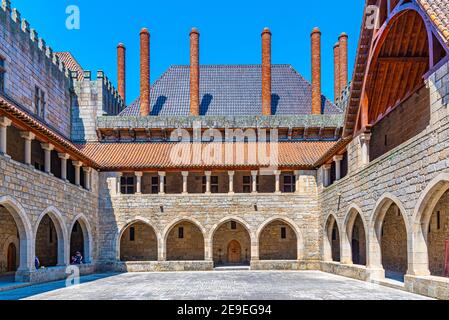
<point>8,236</point>
<point>188,246</point>
<point>47,243</point>
<point>273,247</point>
<point>209,213</point>
<point>438,234</point>
<point>394,241</point>
<point>29,195</point>
<point>402,176</point>
<point>142,248</point>
<point>401,124</point>
<point>29,62</point>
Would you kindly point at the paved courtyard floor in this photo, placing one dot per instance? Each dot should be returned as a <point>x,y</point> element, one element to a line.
<point>235,285</point>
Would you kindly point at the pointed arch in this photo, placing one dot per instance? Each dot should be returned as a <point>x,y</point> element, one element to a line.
<point>355,249</point>
<point>331,249</point>
<point>60,224</point>
<point>87,236</point>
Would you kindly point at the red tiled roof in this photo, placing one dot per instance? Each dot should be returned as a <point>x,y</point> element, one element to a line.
<point>438,11</point>
<point>71,63</point>
<point>148,156</point>
<point>14,112</point>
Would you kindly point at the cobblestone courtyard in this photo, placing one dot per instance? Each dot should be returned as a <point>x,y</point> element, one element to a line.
<point>212,285</point>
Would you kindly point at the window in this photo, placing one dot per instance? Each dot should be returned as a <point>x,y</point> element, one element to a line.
<point>438,220</point>
<point>132,234</point>
<point>75,228</point>
<point>289,183</point>
<point>334,234</point>
<point>181,232</point>
<point>127,185</point>
<point>39,102</point>
<point>154,185</point>
<point>213,184</point>
<point>283,233</point>
<point>39,166</point>
<point>50,234</point>
<point>2,75</point>
<point>233,225</point>
<point>247,184</point>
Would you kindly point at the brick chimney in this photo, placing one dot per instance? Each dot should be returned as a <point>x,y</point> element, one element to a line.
<point>194,72</point>
<point>266,72</point>
<point>343,44</point>
<point>144,72</point>
<point>316,71</point>
<point>121,70</point>
<point>337,90</point>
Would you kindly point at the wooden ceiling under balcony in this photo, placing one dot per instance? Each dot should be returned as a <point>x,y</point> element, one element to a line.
<point>398,66</point>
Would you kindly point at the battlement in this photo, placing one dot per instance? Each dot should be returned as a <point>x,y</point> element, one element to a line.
<point>15,23</point>
<point>113,102</point>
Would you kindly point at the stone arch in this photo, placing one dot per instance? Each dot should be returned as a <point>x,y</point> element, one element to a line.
<point>375,255</point>
<point>87,236</point>
<point>354,218</point>
<point>26,259</point>
<point>59,223</point>
<point>435,191</point>
<point>293,226</point>
<point>245,237</point>
<point>130,223</point>
<point>191,246</point>
<point>331,243</point>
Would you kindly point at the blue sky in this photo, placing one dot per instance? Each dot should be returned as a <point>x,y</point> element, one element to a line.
<point>230,32</point>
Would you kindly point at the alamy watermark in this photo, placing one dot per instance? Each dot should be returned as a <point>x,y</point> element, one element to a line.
<point>73,20</point>
<point>372,14</point>
<point>73,276</point>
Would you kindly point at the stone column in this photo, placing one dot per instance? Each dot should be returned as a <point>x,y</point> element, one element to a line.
<point>254,175</point>
<point>77,165</point>
<point>231,182</point>
<point>138,182</point>
<point>48,148</point>
<point>337,160</point>
<point>208,175</point>
<point>119,183</point>
<point>4,124</point>
<point>87,172</point>
<point>277,174</point>
<point>28,137</point>
<point>297,181</point>
<point>162,182</point>
<point>364,140</point>
<point>185,175</point>
<point>326,175</point>
<point>64,157</point>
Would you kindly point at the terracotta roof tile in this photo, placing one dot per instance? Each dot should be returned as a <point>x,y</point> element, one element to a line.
<point>153,156</point>
<point>71,63</point>
<point>438,11</point>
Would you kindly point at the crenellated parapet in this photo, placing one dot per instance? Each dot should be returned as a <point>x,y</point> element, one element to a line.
<point>13,20</point>
<point>95,97</point>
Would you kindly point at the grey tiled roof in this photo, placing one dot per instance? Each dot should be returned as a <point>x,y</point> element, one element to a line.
<point>231,90</point>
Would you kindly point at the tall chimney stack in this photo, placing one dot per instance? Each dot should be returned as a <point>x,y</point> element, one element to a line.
<point>194,72</point>
<point>343,44</point>
<point>337,90</point>
<point>144,72</point>
<point>121,70</point>
<point>316,71</point>
<point>266,72</point>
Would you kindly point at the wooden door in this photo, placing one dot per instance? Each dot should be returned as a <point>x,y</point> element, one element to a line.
<point>12,258</point>
<point>234,252</point>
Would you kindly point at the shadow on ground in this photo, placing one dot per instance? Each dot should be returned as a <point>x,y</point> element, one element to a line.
<point>32,290</point>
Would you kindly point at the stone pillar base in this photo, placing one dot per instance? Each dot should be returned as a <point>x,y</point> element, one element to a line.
<point>375,274</point>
